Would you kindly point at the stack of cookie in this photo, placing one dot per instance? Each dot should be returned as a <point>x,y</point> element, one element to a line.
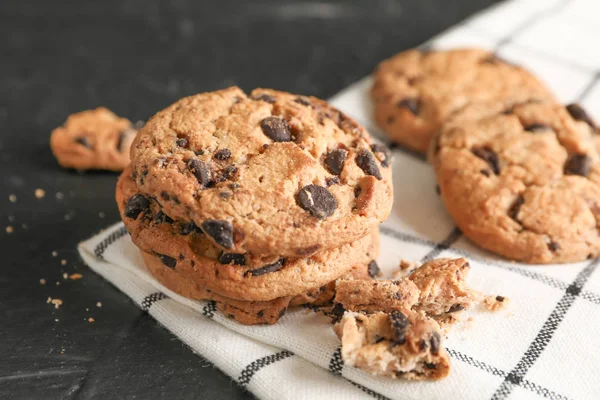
<point>257,202</point>
<point>518,172</point>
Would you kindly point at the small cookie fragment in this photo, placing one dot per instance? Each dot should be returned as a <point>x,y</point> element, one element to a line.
<point>495,303</point>
<point>93,139</point>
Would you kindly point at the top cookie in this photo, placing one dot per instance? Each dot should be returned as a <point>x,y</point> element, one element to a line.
<point>269,173</point>
<point>93,139</point>
<point>523,182</point>
<point>415,91</point>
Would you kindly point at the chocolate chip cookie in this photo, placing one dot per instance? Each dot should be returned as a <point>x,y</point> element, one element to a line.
<point>523,181</point>
<point>416,91</point>
<point>266,173</point>
<point>183,247</point>
<point>93,139</point>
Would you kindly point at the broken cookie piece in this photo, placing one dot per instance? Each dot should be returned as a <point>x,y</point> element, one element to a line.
<point>443,292</point>
<point>394,344</point>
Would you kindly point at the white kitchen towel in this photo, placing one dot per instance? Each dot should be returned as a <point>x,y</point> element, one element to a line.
<point>543,346</point>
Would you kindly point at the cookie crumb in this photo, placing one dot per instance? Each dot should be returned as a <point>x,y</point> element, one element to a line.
<point>87,309</point>
<point>65,275</point>
<point>59,196</point>
<point>99,304</point>
<point>57,283</point>
<point>42,281</point>
<point>75,276</point>
<point>57,302</point>
<point>48,300</point>
<point>9,229</point>
<point>55,319</point>
<point>54,253</point>
<point>12,198</point>
<point>40,193</point>
<point>90,320</point>
<point>405,264</point>
<point>495,303</point>
<point>63,262</point>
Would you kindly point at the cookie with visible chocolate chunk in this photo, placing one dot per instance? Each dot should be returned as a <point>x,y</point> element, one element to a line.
<point>523,181</point>
<point>185,248</point>
<point>265,173</point>
<point>415,92</point>
<point>93,139</point>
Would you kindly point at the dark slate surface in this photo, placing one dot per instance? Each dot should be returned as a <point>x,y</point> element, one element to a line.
<point>136,57</point>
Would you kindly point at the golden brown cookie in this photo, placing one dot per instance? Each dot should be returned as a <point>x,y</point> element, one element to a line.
<point>185,248</point>
<point>415,92</point>
<point>93,139</point>
<point>523,182</point>
<point>269,173</point>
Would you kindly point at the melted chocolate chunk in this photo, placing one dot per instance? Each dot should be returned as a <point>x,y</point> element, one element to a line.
<point>168,261</point>
<point>500,299</point>
<point>221,232</point>
<point>488,155</point>
<point>334,160</point>
<point>337,312</point>
<point>536,128</point>
<point>373,269</point>
<point>136,205</point>
<point>435,343</point>
<point>200,171</point>
<point>410,104</point>
<point>188,228</point>
<point>276,128</point>
<point>513,211</point>
<point>578,164</point>
<point>182,142</point>
<point>366,161</point>
<point>223,154</point>
<point>579,114</point>
<point>317,200</point>
<point>400,325</point>
<point>265,97</point>
<point>553,246</point>
<point>161,217</point>
<point>82,140</point>
<point>232,258</point>
<point>385,152</point>
<point>276,266</point>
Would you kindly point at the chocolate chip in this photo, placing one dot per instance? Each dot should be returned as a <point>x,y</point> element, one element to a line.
<point>265,97</point>
<point>513,211</point>
<point>428,365</point>
<point>168,261</point>
<point>334,180</point>
<point>488,155</point>
<point>366,162</point>
<point>535,128</point>
<point>225,195</point>
<point>553,246</point>
<point>136,205</point>
<point>182,142</point>
<point>303,100</point>
<point>579,114</point>
<point>456,308</point>
<point>181,256</point>
<point>199,152</point>
<point>223,154</point>
<point>161,217</point>
<point>317,200</point>
<point>200,171</point>
<point>276,128</point>
<point>188,228</point>
<point>357,191</point>
<point>578,164</point>
<point>306,251</point>
<point>485,172</point>
<point>228,172</point>
<point>500,299</point>
<point>260,314</point>
<point>276,266</point>
<point>165,195</point>
<point>84,142</point>
<point>411,104</point>
<point>334,160</point>
<point>400,325</point>
<point>221,231</point>
<point>373,269</point>
<point>435,343</point>
<point>337,312</point>
<point>385,152</point>
<point>232,258</point>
